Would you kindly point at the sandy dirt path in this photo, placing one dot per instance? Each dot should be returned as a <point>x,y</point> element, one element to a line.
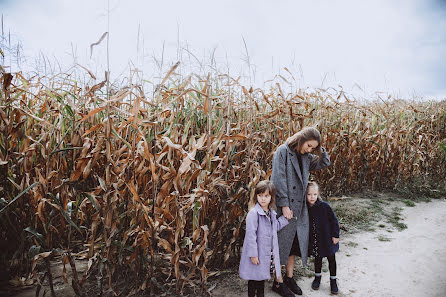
<point>404,263</point>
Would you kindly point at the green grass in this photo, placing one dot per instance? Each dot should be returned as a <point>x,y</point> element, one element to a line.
<point>395,219</point>
<point>409,203</point>
<point>352,244</point>
<point>383,238</point>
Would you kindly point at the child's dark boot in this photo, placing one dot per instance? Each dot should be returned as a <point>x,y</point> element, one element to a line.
<point>282,289</point>
<point>292,285</point>
<point>333,286</point>
<point>316,282</point>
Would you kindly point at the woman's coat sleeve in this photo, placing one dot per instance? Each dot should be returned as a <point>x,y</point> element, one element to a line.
<point>320,162</point>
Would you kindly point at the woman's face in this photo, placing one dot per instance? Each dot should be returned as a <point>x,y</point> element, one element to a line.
<point>308,146</point>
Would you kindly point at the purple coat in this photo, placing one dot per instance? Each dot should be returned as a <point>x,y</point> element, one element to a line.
<point>260,240</point>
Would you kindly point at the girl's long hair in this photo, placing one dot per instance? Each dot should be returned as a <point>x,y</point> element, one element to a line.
<point>261,187</point>
<point>296,141</point>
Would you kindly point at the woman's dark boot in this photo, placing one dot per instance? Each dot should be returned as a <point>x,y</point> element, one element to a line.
<point>282,289</point>
<point>292,285</point>
<point>333,286</point>
<point>316,283</point>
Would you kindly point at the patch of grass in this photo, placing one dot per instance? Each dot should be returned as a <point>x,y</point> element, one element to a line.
<point>381,225</point>
<point>422,189</point>
<point>409,203</point>
<point>394,218</point>
<point>355,215</point>
<point>352,244</point>
<point>383,238</point>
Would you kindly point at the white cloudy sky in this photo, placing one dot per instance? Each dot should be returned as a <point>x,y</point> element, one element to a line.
<point>392,46</point>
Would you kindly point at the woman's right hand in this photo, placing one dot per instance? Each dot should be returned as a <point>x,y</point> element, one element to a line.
<point>287,212</point>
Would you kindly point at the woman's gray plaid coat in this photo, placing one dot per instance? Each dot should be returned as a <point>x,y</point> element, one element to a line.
<point>291,188</point>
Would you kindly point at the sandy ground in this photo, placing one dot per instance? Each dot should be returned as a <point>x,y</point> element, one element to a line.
<point>405,263</point>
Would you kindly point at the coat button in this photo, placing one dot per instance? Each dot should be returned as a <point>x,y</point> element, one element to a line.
<point>292,200</point>
<point>294,187</point>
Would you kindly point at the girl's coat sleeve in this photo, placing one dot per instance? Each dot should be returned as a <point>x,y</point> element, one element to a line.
<point>334,224</point>
<point>250,242</point>
<point>320,162</point>
<point>279,178</point>
<point>282,222</point>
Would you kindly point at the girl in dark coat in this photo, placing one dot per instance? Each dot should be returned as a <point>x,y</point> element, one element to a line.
<point>324,236</point>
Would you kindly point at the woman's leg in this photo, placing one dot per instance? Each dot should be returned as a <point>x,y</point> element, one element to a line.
<point>290,265</point>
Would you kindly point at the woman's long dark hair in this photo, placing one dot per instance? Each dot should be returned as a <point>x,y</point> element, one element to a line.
<point>296,141</point>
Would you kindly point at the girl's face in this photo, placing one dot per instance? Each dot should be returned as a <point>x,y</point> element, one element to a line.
<point>264,199</point>
<point>308,146</point>
<point>312,194</point>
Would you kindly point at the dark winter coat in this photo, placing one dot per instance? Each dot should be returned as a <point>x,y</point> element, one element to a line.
<point>291,188</point>
<point>327,226</point>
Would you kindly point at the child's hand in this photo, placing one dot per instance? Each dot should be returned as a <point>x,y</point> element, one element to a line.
<point>255,260</point>
<point>335,240</point>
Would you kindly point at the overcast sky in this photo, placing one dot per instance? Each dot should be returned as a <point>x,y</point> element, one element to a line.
<point>367,46</point>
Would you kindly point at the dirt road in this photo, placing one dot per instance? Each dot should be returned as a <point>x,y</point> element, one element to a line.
<point>404,263</point>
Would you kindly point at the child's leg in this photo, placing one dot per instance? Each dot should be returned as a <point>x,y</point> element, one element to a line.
<point>317,273</point>
<point>332,268</point>
<point>252,288</point>
<point>332,265</point>
<point>260,288</point>
<point>317,265</point>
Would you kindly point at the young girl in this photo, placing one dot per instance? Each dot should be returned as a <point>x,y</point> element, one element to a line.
<point>324,236</point>
<point>260,239</point>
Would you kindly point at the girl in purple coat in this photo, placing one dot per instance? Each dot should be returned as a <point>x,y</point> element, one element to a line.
<point>324,236</point>
<point>261,239</point>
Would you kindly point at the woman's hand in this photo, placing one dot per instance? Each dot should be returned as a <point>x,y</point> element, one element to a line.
<point>335,240</point>
<point>255,260</point>
<point>287,212</point>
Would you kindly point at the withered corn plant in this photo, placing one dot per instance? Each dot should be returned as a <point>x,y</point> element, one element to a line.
<point>153,187</point>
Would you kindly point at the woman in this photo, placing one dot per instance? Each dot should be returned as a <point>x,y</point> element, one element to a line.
<point>292,163</point>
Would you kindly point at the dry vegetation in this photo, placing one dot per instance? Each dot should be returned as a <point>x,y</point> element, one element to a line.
<point>153,187</point>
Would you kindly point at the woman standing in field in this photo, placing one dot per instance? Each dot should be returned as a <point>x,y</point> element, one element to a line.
<point>292,163</point>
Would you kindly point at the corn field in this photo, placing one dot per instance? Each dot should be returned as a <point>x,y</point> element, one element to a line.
<point>152,187</point>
